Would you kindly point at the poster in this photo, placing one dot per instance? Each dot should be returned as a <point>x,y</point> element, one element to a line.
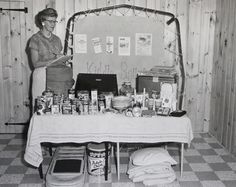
<point>110,44</point>
<point>97,45</point>
<point>143,44</point>
<point>80,43</point>
<point>124,46</point>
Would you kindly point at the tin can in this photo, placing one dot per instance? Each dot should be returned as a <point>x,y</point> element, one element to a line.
<point>56,99</point>
<point>94,102</point>
<point>154,94</point>
<point>40,105</point>
<point>136,111</point>
<point>108,98</point>
<point>96,159</point>
<point>79,107</point>
<point>101,102</point>
<point>48,93</point>
<point>66,109</point>
<point>151,104</point>
<point>73,109</point>
<point>83,95</point>
<point>85,106</point>
<point>55,109</point>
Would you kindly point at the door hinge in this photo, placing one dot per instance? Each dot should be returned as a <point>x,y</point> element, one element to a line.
<point>25,10</point>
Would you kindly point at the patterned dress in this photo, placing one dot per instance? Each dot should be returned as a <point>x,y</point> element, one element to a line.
<point>47,48</point>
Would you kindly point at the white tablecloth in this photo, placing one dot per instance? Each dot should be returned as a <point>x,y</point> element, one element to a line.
<point>103,127</point>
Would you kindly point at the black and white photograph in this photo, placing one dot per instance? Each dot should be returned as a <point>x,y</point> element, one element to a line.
<point>117,93</point>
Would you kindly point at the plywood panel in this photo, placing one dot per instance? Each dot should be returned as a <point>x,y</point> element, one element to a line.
<point>192,68</point>
<point>182,8</point>
<point>170,38</point>
<point>37,6</point>
<point>16,92</point>
<point>209,64</point>
<point>195,21</point>
<point>2,108</point>
<point>81,5</point>
<point>11,73</point>
<point>231,133</point>
<point>223,75</point>
<point>221,71</point>
<point>61,25</point>
<point>228,66</point>
<point>205,64</point>
<point>6,61</point>
<point>217,51</point>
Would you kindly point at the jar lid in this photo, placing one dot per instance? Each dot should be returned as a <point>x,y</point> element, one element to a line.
<point>97,146</point>
<point>128,83</point>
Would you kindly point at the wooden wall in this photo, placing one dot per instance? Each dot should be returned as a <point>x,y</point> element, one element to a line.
<point>223,105</point>
<point>14,76</point>
<point>197,21</point>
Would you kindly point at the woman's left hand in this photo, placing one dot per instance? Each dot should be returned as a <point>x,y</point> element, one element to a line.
<point>59,55</point>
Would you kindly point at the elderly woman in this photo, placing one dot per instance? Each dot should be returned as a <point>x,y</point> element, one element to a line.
<point>44,47</point>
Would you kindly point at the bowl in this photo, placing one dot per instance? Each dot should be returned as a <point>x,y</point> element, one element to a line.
<point>121,102</point>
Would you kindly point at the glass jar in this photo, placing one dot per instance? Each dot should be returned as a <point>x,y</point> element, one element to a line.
<point>126,89</point>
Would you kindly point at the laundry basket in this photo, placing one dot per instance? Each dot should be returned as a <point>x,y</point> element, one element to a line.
<point>66,168</point>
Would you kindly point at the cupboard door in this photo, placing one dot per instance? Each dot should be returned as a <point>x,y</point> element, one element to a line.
<point>14,71</point>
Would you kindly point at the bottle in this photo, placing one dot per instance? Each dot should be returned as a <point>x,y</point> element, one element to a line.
<point>71,94</point>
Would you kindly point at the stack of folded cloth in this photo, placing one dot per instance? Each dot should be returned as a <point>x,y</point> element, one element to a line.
<point>152,166</point>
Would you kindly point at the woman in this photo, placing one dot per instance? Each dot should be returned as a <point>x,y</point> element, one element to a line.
<point>44,47</point>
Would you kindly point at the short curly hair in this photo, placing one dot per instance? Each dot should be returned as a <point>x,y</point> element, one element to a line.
<point>42,15</point>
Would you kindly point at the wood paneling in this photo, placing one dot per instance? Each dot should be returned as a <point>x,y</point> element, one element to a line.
<point>14,84</point>
<point>197,24</point>
<point>223,107</point>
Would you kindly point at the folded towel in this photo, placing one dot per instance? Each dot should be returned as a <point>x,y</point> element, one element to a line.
<point>150,182</point>
<point>152,170</point>
<point>175,183</point>
<point>155,168</point>
<point>161,173</point>
<point>152,155</point>
<point>165,176</point>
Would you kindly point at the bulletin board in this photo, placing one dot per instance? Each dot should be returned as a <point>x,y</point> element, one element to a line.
<point>124,61</point>
<point>120,44</point>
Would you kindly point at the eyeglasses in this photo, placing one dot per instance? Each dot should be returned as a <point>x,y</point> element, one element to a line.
<point>51,21</point>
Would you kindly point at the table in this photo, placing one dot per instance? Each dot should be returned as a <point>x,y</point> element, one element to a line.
<point>107,127</point>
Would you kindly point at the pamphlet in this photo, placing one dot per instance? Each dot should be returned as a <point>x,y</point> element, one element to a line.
<point>62,59</point>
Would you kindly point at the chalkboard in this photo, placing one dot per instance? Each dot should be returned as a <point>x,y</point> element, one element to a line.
<point>126,67</point>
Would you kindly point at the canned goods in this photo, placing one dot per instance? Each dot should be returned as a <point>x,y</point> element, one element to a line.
<point>96,159</point>
<point>71,93</point>
<point>154,94</point>
<point>79,106</point>
<point>108,98</point>
<point>40,105</point>
<point>73,109</point>
<point>101,102</point>
<point>136,111</point>
<point>85,107</point>
<point>56,99</point>
<point>48,93</point>
<point>55,109</point>
<point>66,109</point>
<point>151,104</point>
<point>83,95</point>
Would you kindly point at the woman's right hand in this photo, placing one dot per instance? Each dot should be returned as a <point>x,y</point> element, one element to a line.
<point>58,55</point>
